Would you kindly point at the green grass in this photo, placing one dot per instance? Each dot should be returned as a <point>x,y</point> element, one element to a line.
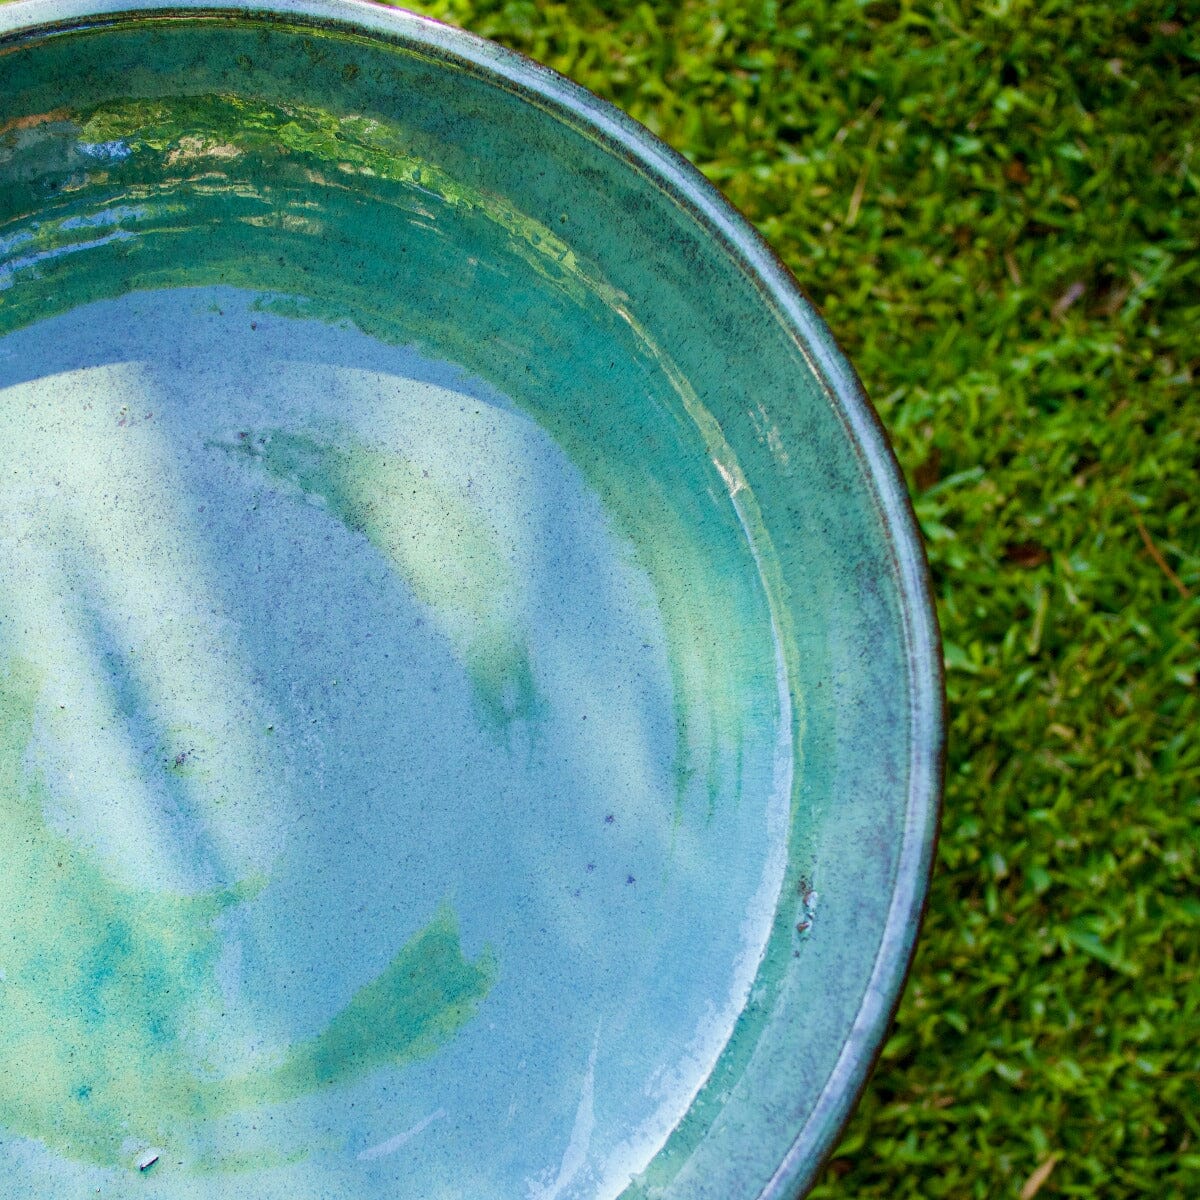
<point>997,209</point>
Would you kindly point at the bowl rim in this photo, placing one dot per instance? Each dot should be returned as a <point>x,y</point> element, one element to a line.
<point>672,174</point>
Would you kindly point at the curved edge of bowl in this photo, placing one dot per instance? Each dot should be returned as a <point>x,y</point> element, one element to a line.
<point>685,185</point>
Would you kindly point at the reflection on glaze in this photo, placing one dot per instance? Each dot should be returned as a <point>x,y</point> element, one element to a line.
<point>217,150</point>
<point>101,983</point>
<point>641,854</point>
<point>442,544</point>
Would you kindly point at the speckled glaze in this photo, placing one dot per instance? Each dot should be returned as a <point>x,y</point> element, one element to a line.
<point>470,715</point>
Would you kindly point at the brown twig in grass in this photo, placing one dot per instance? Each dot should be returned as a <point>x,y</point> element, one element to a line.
<point>844,132</point>
<point>856,197</point>
<point>1010,264</point>
<point>1156,554</point>
<point>1033,1184</point>
<point>1068,298</point>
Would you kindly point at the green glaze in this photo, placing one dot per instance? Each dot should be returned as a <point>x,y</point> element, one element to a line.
<point>422,998</point>
<point>728,860</point>
<point>440,543</point>
<point>170,148</point>
<point>96,1023</point>
<point>94,1036</point>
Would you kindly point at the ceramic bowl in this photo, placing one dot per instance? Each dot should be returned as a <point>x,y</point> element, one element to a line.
<point>469,691</point>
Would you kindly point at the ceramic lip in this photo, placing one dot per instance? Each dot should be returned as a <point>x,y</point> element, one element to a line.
<point>25,20</point>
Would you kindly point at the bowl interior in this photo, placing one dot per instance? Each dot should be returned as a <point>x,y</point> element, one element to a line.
<point>469,715</point>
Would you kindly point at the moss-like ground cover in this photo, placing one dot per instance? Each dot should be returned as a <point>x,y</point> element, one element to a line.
<point>997,208</point>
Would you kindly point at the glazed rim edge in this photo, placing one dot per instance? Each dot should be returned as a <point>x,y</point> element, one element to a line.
<point>672,174</point>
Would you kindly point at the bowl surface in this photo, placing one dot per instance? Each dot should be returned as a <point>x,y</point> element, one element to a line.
<point>470,716</point>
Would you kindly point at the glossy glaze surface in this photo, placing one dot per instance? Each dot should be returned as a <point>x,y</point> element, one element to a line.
<point>469,719</point>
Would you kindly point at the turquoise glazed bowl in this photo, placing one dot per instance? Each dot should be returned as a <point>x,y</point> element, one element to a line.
<point>470,715</point>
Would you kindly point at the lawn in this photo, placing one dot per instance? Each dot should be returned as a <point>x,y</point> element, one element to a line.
<point>997,208</point>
